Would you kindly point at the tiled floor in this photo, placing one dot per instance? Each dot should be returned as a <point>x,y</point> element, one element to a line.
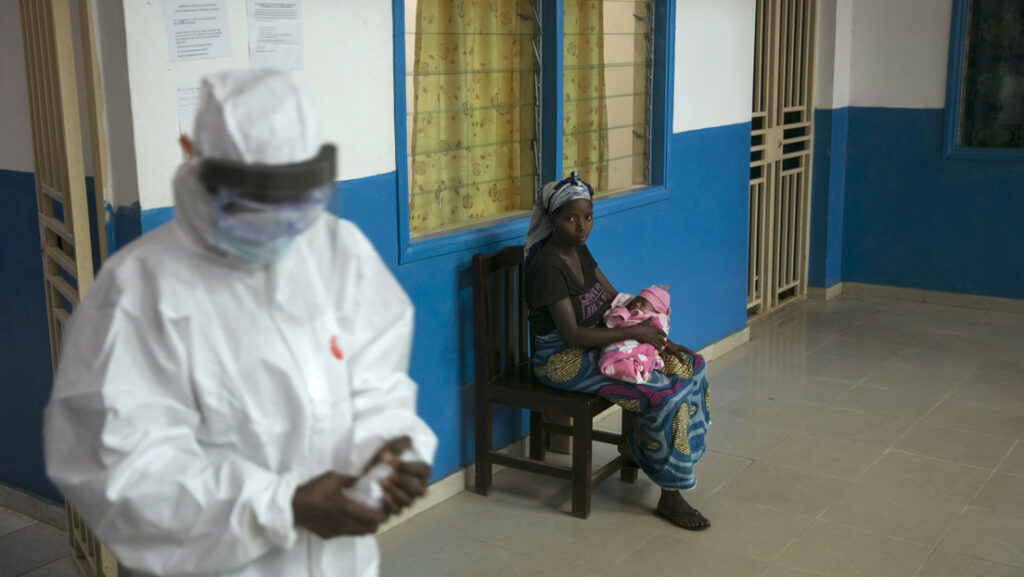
<point>32,549</point>
<point>858,437</point>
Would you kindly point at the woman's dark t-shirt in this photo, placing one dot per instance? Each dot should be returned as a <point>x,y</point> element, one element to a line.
<point>549,280</point>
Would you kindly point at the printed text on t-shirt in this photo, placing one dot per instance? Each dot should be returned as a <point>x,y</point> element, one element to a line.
<point>592,300</point>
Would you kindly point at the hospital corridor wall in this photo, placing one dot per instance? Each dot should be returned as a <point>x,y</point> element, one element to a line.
<point>694,241</point>
<point>889,206</point>
<point>693,235</point>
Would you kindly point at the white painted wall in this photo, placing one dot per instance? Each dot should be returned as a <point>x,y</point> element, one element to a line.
<point>843,54</point>
<point>900,53</point>
<point>825,54</point>
<point>121,178</point>
<point>347,70</point>
<point>884,53</point>
<point>16,143</point>
<point>714,63</point>
<point>15,120</point>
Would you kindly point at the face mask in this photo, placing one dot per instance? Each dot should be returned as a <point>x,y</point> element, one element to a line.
<point>259,232</point>
<point>255,252</point>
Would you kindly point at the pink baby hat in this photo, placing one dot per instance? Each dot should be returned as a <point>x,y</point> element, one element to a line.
<point>657,295</point>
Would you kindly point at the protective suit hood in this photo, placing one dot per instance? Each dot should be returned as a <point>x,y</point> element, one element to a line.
<point>259,176</point>
<point>255,117</point>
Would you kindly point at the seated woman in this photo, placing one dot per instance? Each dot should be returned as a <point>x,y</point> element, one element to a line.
<point>568,296</point>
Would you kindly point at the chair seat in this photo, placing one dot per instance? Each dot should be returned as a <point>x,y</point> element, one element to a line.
<point>519,387</point>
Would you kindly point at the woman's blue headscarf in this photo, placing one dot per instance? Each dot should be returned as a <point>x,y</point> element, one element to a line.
<point>548,199</point>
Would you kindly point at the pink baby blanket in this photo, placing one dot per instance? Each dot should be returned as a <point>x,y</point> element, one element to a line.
<point>630,361</point>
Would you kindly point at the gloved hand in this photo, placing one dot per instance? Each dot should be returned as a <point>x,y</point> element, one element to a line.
<point>322,507</point>
<point>408,480</point>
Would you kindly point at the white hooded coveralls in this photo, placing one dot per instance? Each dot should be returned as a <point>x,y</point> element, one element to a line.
<point>192,398</point>
<point>194,395</point>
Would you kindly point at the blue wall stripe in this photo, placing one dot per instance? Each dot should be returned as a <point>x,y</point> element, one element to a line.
<point>915,219</point>
<point>828,187</point>
<point>839,127</point>
<point>153,218</point>
<point>371,202</point>
<point>127,223</point>
<point>25,373</point>
<point>819,231</point>
<point>124,224</point>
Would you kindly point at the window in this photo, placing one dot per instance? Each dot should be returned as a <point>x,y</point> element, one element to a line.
<point>985,95</point>
<point>609,53</point>
<point>471,69</point>
<point>483,85</point>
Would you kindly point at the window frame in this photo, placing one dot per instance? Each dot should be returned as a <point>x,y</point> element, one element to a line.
<point>954,81</point>
<point>514,225</point>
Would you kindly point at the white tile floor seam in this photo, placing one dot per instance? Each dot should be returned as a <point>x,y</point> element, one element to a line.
<point>810,526</point>
<point>858,436</point>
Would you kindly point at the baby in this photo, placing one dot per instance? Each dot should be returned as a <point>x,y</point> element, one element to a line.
<point>632,361</point>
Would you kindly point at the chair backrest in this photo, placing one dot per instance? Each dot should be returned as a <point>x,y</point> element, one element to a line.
<point>501,338</point>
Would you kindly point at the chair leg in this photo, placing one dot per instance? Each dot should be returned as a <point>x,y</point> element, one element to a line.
<point>537,435</point>
<point>629,470</point>
<point>582,447</point>
<point>483,448</point>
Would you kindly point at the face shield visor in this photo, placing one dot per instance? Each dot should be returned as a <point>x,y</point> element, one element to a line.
<point>260,203</point>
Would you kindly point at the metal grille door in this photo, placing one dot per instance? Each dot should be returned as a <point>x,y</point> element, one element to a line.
<point>63,206</point>
<point>780,153</point>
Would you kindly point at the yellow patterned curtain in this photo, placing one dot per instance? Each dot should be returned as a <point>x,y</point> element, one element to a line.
<point>470,110</point>
<point>585,122</point>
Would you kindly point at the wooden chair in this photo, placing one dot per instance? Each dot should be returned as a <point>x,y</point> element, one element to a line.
<point>503,376</point>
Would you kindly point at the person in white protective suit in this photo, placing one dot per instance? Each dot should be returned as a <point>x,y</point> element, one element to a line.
<point>225,381</point>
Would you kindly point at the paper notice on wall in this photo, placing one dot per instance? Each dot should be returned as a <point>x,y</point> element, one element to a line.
<point>188,102</point>
<point>196,29</point>
<point>275,34</point>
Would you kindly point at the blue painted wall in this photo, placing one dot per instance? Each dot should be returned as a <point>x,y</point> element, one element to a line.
<point>694,240</point>
<point>25,373</point>
<point>915,219</point>
<point>817,249</point>
<point>828,188</point>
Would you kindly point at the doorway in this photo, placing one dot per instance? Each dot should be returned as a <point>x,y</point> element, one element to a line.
<point>780,153</point>
<point>68,236</point>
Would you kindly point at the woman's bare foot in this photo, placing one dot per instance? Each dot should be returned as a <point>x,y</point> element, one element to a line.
<point>674,507</point>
